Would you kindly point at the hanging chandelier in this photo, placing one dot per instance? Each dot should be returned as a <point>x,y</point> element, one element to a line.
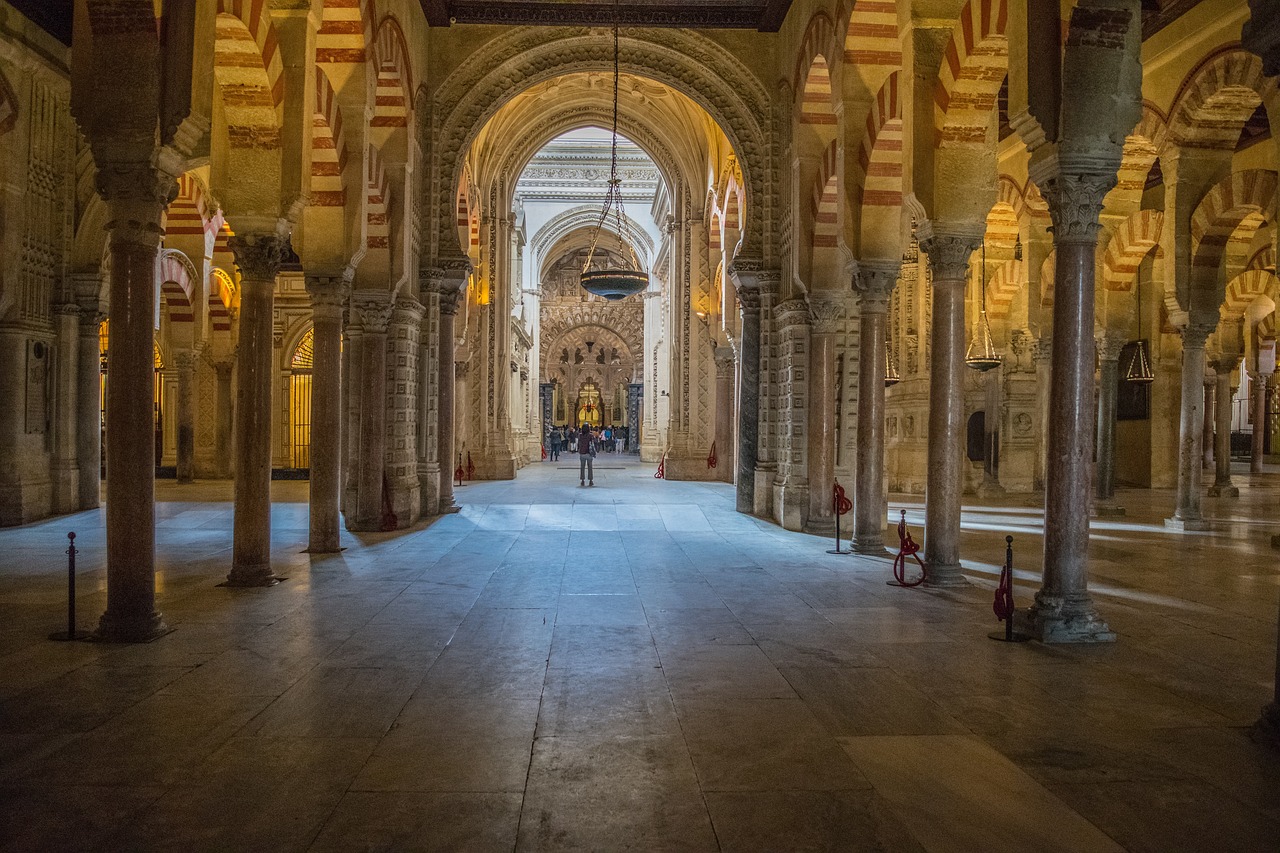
<point>982,355</point>
<point>1140,365</point>
<point>890,370</point>
<point>613,282</point>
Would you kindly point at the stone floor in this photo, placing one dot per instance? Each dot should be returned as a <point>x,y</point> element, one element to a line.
<point>636,666</point>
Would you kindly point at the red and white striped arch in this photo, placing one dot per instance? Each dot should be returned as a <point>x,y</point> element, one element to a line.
<point>880,157</point>
<point>812,73</point>
<point>1005,284</point>
<point>188,214</point>
<point>824,206</point>
<point>177,284</point>
<point>247,67</point>
<point>1218,97</point>
<point>1223,209</point>
<point>222,255</point>
<point>1266,327</point>
<point>328,147</point>
<point>391,100</point>
<point>346,31</point>
<point>973,68</point>
<point>872,38</point>
<point>1245,288</point>
<point>1263,259</point>
<point>222,290</point>
<point>1141,148</point>
<point>378,233</point>
<point>1129,244</point>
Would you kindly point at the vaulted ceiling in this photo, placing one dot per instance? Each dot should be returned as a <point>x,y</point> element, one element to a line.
<point>763,15</point>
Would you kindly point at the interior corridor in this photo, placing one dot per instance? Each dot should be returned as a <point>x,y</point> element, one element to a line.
<point>636,666</point>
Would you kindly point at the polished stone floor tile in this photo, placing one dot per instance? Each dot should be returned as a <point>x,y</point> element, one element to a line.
<point>421,823</point>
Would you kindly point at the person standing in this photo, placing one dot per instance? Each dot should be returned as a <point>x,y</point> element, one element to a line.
<point>586,456</point>
<point>555,444</point>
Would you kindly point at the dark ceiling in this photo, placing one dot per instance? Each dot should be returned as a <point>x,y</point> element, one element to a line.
<point>52,16</point>
<point>763,15</point>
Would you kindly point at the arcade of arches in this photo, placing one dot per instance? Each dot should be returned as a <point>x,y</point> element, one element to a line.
<point>340,240</point>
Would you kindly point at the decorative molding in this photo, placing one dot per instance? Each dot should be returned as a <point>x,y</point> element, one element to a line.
<point>826,310</point>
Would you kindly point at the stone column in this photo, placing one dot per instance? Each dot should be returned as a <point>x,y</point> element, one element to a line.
<point>1043,358</point>
<point>874,285</point>
<point>747,275</point>
<point>186,411</point>
<point>1109,347</point>
<point>258,257</point>
<point>89,408</point>
<point>1222,486</point>
<point>1063,610</point>
<point>223,428</point>
<point>430,469</point>
<point>724,413</point>
<point>371,311</point>
<point>452,286</point>
<point>825,312</point>
<point>135,197</point>
<point>949,260</point>
<point>1207,453</point>
<point>1258,401</point>
<point>64,461</point>
<point>1186,514</point>
<point>328,295</point>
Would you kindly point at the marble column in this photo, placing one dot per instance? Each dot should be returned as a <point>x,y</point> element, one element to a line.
<point>747,276</point>
<point>328,295</point>
<point>1207,450</point>
<point>453,286</point>
<point>186,412</point>
<point>1222,486</point>
<point>1063,610</point>
<point>223,427</point>
<point>825,312</point>
<point>371,311</point>
<point>1104,504</point>
<point>874,285</point>
<point>258,257</point>
<point>1043,357</point>
<point>65,468</point>
<point>724,413</point>
<point>1186,514</point>
<point>89,408</point>
<point>944,483</point>
<point>1258,401</point>
<point>135,198</point>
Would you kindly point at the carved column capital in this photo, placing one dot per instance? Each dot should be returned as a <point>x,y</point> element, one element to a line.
<point>949,255</point>
<point>1195,334</point>
<point>724,357</point>
<point>407,310</point>
<point>1075,203</point>
<point>825,312</point>
<point>329,294</point>
<point>449,281</point>
<point>258,255</point>
<point>874,282</point>
<point>184,361</point>
<point>1109,346</point>
<point>136,194</point>
<point>371,311</point>
<point>91,320</point>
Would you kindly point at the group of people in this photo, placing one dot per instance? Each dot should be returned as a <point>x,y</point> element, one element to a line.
<point>586,442</point>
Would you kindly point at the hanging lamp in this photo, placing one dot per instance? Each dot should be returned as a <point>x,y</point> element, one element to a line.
<point>890,370</point>
<point>982,355</point>
<point>613,283</point>
<point>1140,365</point>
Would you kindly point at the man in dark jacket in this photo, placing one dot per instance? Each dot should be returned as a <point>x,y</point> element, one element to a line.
<point>586,455</point>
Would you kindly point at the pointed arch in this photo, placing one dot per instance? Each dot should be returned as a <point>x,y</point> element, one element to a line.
<point>392,102</point>
<point>825,202</point>
<point>818,43</point>
<point>221,298</point>
<point>177,284</point>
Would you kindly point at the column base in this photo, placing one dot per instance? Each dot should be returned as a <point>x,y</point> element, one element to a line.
<point>1107,509</point>
<point>990,489</point>
<point>113,628</point>
<point>870,546</point>
<point>1186,525</point>
<point>943,576</point>
<point>1267,729</point>
<point>820,526</point>
<point>1228,491</point>
<point>324,548</point>
<point>1063,620</point>
<point>250,576</point>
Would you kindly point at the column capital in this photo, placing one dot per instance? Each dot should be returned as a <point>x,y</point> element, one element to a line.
<point>371,311</point>
<point>724,357</point>
<point>1195,334</point>
<point>1075,203</point>
<point>67,308</point>
<point>825,312</point>
<point>1109,345</point>
<point>91,318</point>
<point>329,294</point>
<point>136,194</point>
<point>258,255</point>
<point>873,282</point>
<point>949,253</point>
<point>184,361</point>
<point>407,310</point>
<point>752,280</point>
<point>448,281</point>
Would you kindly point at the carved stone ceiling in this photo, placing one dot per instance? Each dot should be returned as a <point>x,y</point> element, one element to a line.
<point>763,15</point>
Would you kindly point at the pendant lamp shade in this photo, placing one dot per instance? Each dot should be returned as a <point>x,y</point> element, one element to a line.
<point>890,370</point>
<point>613,282</point>
<point>1140,365</point>
<point>982,355</point>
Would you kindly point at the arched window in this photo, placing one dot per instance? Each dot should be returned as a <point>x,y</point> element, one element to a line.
<point>300,400</point>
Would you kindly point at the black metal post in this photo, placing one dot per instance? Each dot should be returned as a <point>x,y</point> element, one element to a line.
<point>71,633</point>
<point>1008,635</point>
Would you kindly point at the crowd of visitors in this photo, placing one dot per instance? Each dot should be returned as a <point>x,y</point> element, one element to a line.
<point>586,441</point>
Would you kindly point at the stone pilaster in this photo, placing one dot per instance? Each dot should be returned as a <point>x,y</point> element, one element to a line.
<point>1186,514</point>
<point>949,254</point>
<point>748,275</point>
<point>873,285</point>
<point>403,333</point>
<point>451,285</point>
<point>1063,610</point>
<point>429,463</point>
<point>826,310</point>
<point>258,256</point>
<point>329,294</point>
<point>724,438</point>
<point>371,312</point>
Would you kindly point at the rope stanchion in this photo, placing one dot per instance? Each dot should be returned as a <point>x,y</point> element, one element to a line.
<point>1003,604</point>
<point>840,505</point>
<point>544,453</point>
<point>458,472</point>
<point>907,547</point>
<point>711,457</point>
<point>471,467</point>
<point>661,473</point>
<point>71,633</point>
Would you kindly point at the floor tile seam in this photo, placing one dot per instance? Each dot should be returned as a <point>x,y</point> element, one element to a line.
<point>533,739</point>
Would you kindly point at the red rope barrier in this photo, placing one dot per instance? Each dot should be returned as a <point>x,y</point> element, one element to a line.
<point>661,473</point>
<point>711,457</point>
<point>839,503</point>
<point>907,547</point>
